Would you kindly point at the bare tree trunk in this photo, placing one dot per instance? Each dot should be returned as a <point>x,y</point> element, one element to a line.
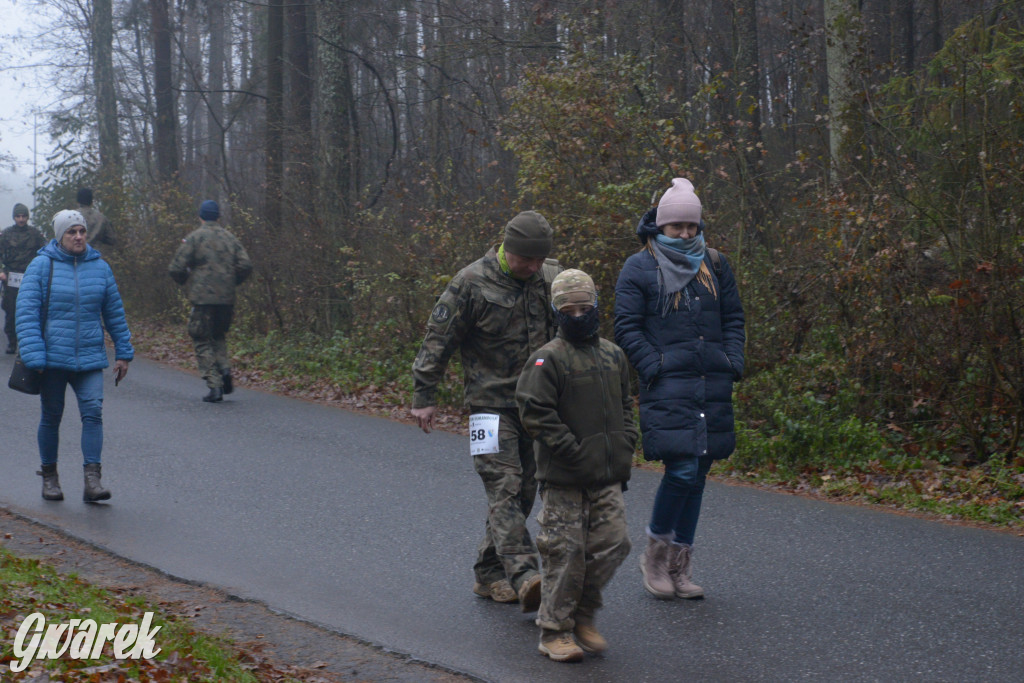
<point>748,112</point>
<point>215,99</point>
<point>412,111</point>
<point>936,29</point>
<point>300,101</point>
<point>165,128</point>
<point>190,66</point>
<point>334,115</point>
<point>275,112</point>
<point>106,95</point>
<point>903,35</point>
<point>843,27</point>
<point>671,54</point>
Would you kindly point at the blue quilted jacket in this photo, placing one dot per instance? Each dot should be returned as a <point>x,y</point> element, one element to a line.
<point>686,361</point>
<point>83,300</point>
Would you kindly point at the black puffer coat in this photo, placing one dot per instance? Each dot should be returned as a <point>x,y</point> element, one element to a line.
<point>687,361</point>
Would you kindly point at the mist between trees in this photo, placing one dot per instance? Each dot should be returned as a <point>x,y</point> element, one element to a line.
<point>860,164</point>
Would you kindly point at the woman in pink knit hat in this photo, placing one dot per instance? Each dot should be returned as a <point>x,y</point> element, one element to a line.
<point>679,318</point>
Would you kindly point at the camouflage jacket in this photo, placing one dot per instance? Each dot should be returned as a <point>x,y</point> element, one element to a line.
<point>496,322</point>
<point>97,226</point>
<point>18,246</point>
<point>210,262</point>
<point>575,401</point>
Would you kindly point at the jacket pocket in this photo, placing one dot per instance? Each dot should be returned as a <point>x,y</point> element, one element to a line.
<point>496,316</point>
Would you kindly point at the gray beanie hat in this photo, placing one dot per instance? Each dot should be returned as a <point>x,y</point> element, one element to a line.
<point>528,235</point>
<point>64,220</point>
<point>19,209</point>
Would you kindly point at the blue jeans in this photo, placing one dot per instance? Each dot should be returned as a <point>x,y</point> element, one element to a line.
<point>88,388</point>
<point>677,503</point>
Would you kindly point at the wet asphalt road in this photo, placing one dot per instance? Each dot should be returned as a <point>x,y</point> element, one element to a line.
<point>369,527</point>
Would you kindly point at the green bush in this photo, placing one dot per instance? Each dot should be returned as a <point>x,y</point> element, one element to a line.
<point>803,413</point>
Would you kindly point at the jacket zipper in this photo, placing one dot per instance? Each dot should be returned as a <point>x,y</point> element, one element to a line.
<point>604,409</point>
<point>78,320</point>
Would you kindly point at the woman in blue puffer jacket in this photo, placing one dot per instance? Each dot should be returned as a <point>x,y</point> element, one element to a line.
<point>681,323</point>
<point>80,296</point>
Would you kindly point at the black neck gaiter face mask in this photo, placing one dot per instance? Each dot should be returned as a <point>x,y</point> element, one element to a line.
<point>578,329</point>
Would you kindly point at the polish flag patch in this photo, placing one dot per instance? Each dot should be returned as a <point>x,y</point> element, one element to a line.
<point>540,361</point>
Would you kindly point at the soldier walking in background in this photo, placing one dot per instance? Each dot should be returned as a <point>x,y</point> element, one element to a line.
<point>18,246</point>
<point>210,262</point>
<point>495,312</point>
<point>99,228</point>
<point>574,399</point>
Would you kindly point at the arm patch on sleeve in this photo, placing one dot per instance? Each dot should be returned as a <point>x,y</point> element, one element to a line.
<point>442,312</point>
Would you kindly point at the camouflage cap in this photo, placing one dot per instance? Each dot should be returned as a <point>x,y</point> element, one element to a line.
<point>528,235</point>
<point>572,287</point>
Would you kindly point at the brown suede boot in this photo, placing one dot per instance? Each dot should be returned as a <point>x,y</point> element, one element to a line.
<point>529,594</point>
<point>94,490</point>
<point>499,591</point>
<point>588,637</point>
<point>681,569</point>
<point>559,646</point>
<point>51,483</point>
<point>654,567</point>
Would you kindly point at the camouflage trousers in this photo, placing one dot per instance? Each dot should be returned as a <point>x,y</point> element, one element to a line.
<point>208,326</point>
<point>582,541</point>
<point>507,551</point>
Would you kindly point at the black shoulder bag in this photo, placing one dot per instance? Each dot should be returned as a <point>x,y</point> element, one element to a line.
<point>22,378</point>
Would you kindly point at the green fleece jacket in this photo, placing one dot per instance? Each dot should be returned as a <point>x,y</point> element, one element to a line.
<point>574,400</point>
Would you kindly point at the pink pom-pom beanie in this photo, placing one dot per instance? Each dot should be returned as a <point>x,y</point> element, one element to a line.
<point>679,204</point>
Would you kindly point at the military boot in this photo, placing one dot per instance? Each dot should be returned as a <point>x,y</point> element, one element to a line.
<point>499,591</point>
<point>529,594</point>
<point>216,395</point>
<point>654,565</point>
<point>587,635</point>
<point>51,483</point>
<point>559,646</point>
<point>229,384</point>
<point>681,569</point>
<point>94,490</point>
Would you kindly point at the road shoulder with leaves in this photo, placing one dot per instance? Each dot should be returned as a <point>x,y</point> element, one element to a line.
<point>272,646</point>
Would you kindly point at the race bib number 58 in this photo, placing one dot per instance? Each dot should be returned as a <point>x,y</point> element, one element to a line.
<point>483,433</point>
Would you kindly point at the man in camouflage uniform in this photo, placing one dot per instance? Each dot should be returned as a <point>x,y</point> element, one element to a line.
<point>574,399</point>
<point>495,312</point>
<point>210,262</point>
<point>18,246</point>
<point>98,228</point>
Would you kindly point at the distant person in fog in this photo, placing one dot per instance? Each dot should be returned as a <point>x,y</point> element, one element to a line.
<point>211,263</point>
<point>19,244</point>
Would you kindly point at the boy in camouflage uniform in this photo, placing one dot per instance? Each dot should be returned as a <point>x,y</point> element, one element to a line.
<point>574,399</point>
<point>495,312</point>
<point>211,262</point>
<point>18,246</point>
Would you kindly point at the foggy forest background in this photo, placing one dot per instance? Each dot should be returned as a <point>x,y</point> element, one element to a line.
<point>860,164</point>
